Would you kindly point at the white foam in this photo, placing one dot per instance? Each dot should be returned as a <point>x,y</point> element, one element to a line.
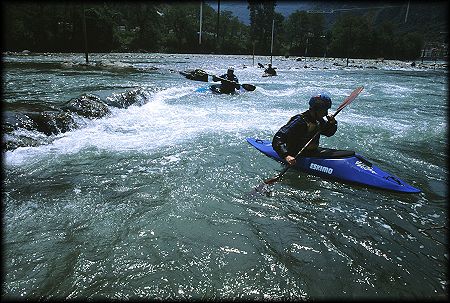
<point>275,93</point>
<point>168,118</point>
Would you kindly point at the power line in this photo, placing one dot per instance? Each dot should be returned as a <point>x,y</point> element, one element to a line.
<point>347,9</point>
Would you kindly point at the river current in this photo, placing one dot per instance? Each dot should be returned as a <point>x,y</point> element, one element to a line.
<point>151,200</point>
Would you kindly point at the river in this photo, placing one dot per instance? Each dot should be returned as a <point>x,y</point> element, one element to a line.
<point>152,199</point>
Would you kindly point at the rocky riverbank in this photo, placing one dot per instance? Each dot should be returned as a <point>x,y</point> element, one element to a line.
<point>337,63</point>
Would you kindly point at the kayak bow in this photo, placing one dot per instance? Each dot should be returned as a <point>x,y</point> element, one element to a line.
<point>341,165</point>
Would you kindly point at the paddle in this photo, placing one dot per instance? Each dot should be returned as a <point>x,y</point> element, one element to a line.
<point>260,65</point>
<point>346,102</point>
<point>247,87</point>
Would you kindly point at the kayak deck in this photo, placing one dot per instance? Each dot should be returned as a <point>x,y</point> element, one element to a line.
<point>341,165</point>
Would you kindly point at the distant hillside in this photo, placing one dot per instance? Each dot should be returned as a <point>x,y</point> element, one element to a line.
<point>429,18</point>
<point>239,8</point>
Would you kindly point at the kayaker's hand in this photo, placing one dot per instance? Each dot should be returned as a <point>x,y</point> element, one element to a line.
<point>290,160</point>
<point>331,119</point>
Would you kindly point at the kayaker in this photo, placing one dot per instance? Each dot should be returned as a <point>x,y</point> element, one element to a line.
<point>293,136</point>
<point>229,82</point>
<point>270,70</point>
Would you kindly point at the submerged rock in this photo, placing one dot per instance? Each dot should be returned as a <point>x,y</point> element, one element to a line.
<point>32,124</point>
<point>124,100</point>
<point>89,106</point>
<point>36,117</point>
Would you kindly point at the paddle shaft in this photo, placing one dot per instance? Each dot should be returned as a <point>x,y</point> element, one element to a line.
<point>346,102</point>
<point>223,79</point>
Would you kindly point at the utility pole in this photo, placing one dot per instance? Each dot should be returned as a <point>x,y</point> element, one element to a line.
<point>271,44</point>
<point>218,21</point>
<point>407,10</point>
<point>85,36</point>
<point>326,48</point>
<point>423,54</point>
<point>308,35</point>
<point>349,49</point>
<point>253,53</point>
<point>306,48</point>
<point>200,30</point>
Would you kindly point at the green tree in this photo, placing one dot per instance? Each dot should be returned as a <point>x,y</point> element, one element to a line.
<point>174,27</point>
<point>16,34</point>
<point>100,21</point>
<point>232,33</point>
<point>261,16</point>
<point>350,34</point>
<point>181,20</point>
<point>408,47</point>
<point>316,41</point>
<point>147,26</point>
<point>297,29</point>
<point>386,40</point>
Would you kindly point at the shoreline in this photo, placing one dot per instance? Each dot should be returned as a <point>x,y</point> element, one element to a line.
<point>292,62</point>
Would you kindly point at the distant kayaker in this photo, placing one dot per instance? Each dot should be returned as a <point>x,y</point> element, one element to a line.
<point>229,82</point>
<point>270,70</point>
<point>197,75</point>
<point>293,136</point>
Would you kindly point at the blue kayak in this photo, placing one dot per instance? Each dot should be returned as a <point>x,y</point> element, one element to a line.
<point>341,165</point>
<point>202,89</point>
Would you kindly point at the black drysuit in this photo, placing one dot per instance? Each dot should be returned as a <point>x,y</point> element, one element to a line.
<point>293,136</point>
<point>227,87</point>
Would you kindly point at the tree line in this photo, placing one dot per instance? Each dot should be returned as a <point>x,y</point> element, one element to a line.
<point>174,27</point>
